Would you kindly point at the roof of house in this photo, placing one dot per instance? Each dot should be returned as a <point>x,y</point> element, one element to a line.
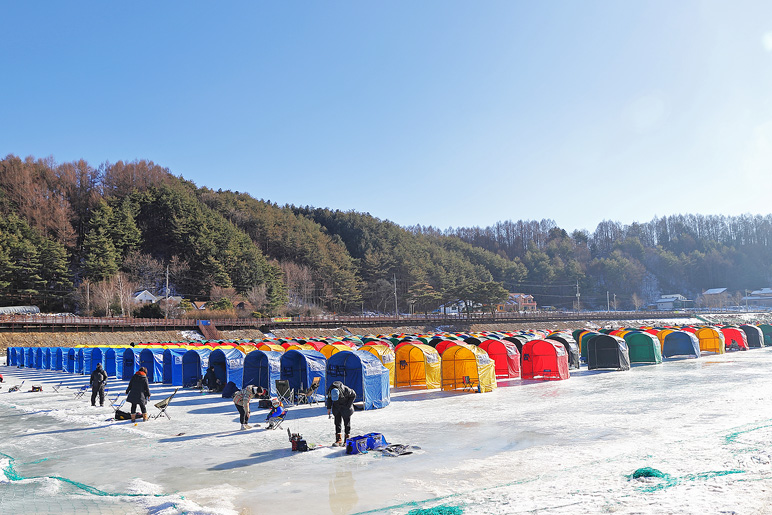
<point>714,291</point>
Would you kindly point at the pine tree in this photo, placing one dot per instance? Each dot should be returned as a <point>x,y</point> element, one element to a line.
<point>100,259</point>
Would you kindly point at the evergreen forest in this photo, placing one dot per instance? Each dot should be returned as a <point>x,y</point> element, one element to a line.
<point>85,239</point>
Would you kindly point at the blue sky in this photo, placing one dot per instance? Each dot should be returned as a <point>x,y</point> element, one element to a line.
<point>438,113</point>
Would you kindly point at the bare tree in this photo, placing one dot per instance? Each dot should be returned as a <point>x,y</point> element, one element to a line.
<point>258,296</point>
<point>104,293</point>
<point>144,270</point>
<point>637,301</point>
<point>124,288</point>
<point>300,284</point>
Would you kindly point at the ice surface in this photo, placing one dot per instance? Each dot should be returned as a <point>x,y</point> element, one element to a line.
<point>547,447</point>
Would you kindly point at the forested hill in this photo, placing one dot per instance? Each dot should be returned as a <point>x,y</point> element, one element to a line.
<point>78,237</point>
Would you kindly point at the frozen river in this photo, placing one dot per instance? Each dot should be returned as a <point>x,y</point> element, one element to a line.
<point>547,447</point>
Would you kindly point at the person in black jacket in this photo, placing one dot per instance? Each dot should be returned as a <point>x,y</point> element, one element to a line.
<point>98,381</point>
<point>138,392</point>
<point>340,401</point>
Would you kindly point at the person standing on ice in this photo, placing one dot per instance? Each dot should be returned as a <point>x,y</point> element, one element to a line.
<point>138,392</point>
<point>98,381</point>
<point>340,401</point>
<point>241,399</point>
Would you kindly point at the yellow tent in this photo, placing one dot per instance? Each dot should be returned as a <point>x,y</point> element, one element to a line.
<point>246,349</point>
<point>383,353</point>
<point>270,346</point>
<point>301,346</point>
<point>465,366</point>
<point>711,340</point>
<point>417,364</point>
<point>333,348</point>
<point>661,337</point>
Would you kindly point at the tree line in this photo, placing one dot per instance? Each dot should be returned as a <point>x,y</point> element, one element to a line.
<point>84,238</point>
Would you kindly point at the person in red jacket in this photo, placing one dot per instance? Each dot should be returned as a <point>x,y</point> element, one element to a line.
<point>138,392</point>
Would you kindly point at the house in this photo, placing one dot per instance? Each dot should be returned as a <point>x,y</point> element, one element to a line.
<point>517,302</point>
<point>144,297</point>
<point>762,297</point>
<point>672,301</point>
<point>198,304</point>
<point>715,298</point>
<point>456,308</point>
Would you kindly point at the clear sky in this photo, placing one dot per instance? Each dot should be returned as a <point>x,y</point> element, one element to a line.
<point>440,113</point>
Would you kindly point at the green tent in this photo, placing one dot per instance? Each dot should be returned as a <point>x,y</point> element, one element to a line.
<point>643,347</point>
<point>767,330</point>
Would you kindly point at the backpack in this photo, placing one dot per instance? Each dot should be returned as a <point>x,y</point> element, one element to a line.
<point>122,415</point>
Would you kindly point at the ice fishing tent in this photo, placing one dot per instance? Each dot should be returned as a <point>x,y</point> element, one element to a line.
<point>362,372</point>
<point>753,335</point>
<point>262,368</point>
<point>112,363</point>
<point>83,361</point>
<point>172,360</point>
<point>417,364</point>
<point>270,347</point>
<point>329,349</point>
<point>10,360</point>
<point>643,347</point>
<point>228,365</point>
<point>711,340</point>
<point>544,359</point>
<point>572,348</point>
<point>444,344</point>
<point>37,356</point>
<point>194,365</point>
<point>734,338</point>
<point>58,355</point>
<point>606,351</point>
<point>681,343</point>
<point>384,353</point>
<point>300,367</point>
<point>70,358</point>
<point>29,360</point>
<point>153,360</point>
<point>129,362</point>
<point>583,343</point>
<point>465,364</point>
<point>505,356</point>
<point>45,359</point>
<point>98,355</point>
<point>661,336</point>
<point>766,330</point>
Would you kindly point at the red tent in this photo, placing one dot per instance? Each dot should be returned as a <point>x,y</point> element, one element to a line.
<point>545,359</point>
<point>734,338</point>
<point>444,344</point>
<point>505,355</point>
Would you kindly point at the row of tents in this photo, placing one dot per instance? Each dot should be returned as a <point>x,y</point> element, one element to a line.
<point>370,365</point>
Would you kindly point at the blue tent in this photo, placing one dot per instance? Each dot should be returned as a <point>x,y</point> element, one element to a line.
<point>173,366</point>
<point>228,365</point>
<point>83,361</point>
<point>12,357</point>
<point>129,360</point>
<point>71,362</point>
<point>194,365</point>
<point>681,343</point>
<point>38,355</point>
<point>301,366</point>
<point>29,360</point>
<point>45,362</point>
<point>98,355</point>
<point>262,368</point>
<point>58,357</point>
<point>111,362</point>
<point>362,372</point>
<point>153,361</point>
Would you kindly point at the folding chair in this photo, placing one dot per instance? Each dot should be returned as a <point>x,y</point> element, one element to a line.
<point>275,422</point>
<point>285,394</point>
<point>165,404</point>
<point>56,388</point>
<point>82,391</point>
<point>114,403</point>
<point>469,385</point>
<point>15,388</point>
<point>307,396</point>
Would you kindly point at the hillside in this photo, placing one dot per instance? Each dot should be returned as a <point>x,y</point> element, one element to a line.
<point>74,237</point>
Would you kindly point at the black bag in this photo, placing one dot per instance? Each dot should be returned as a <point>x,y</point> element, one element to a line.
<point>264,403</point>
<point>122,415</point>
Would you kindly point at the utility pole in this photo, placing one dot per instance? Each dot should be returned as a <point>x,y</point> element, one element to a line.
<point>166,304</point>
<point>746,301</point>
<point>615,302</point>
<point>608,308</point>
<point>396,308</point>
<point>577,295</point>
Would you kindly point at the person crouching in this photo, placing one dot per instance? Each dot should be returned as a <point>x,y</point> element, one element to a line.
<point>241,399</point>
<point>340,401</point>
